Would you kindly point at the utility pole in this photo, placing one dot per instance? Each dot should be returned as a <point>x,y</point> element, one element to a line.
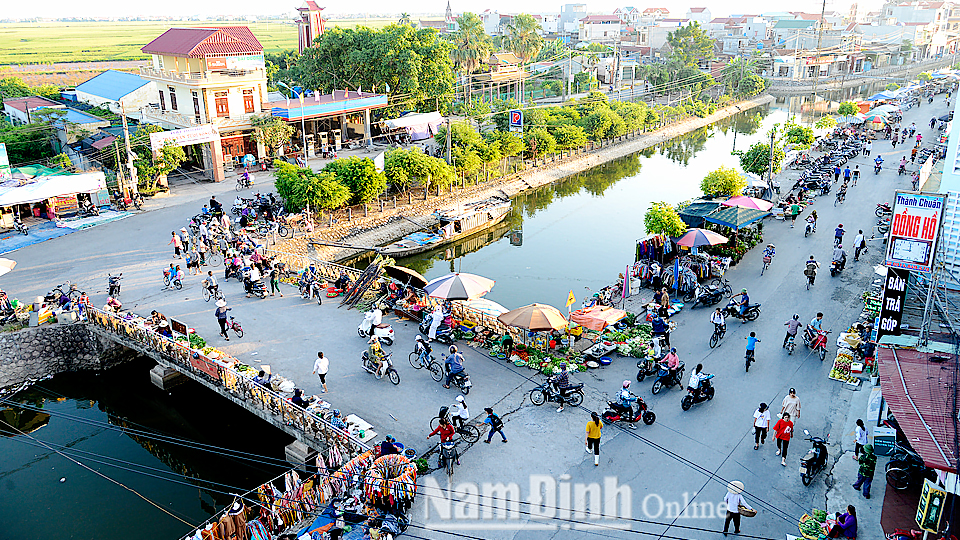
<point>132,188</point>
<point>449,142</point>
<point>816,71</point>
<point>773,133</point>
<point>121,183</point>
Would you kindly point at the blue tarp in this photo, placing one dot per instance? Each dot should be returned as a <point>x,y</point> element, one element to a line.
<point>112,84</point>
<point>886,94</point>
<point>38,233</point>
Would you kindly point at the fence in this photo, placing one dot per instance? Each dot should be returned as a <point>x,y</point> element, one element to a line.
<point>228,381</point>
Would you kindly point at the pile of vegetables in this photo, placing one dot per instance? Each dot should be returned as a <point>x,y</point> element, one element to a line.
<point>811,529</point>
<point>820,515</point>
<point>633,341</point>
<point>196,342</point>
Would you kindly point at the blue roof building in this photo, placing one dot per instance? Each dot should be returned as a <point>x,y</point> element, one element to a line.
<point>112,87</point>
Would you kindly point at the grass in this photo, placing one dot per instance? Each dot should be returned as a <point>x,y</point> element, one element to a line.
<point>54,42</point>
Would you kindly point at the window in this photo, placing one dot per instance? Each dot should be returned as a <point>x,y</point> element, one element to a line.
<point>223,110</point>
<point>196,106</point>
<point>163,103</point>
<point>173,98</point>
<point>248,101</point>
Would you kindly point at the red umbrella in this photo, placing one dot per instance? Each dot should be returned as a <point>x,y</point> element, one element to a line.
<point>748,202</point>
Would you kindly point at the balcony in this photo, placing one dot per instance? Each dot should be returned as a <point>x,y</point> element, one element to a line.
<point>175,120</point>
<point>205,78</point>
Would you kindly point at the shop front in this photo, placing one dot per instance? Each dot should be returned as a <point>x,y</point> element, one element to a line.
<point>50,197</point>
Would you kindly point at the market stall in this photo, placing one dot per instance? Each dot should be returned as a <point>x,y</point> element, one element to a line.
<point>52,196</point>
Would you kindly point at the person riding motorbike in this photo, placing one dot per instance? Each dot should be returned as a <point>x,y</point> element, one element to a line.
<point>376,355</point>
<point>815,326</point>
<point>878,163</point>
<point>812,220</point>
<point>811,269</point>
<point>560,382</point>
<point>840,256</point>
<point>903,165</point>
<point>792,326</point>
<point>453,365</point>
<point>671,361</point>
<point>659,328</point>
<point>113,304</point>
<point>626,397</point>
<point>744,302</point>
<point>719,323</point>
<point>696,377</point>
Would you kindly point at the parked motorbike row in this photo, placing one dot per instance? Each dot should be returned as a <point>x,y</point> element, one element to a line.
<point>816,176</point>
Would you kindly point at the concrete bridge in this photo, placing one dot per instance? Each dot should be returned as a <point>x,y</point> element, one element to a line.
<point>311,429</point>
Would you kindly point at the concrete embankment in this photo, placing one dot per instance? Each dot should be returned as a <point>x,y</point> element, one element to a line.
<point>386,227</point>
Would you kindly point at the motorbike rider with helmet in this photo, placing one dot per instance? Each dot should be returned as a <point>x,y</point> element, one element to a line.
<point>626,397</point>
<point>560,382</point>
<point>672,362</point>
<point>840,256</point>
<point>453,365</point>
<point>376,355</point>
<point>811,269</point>
<point>792,326</point>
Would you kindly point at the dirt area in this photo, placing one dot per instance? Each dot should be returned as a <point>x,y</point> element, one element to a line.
<point>380,228</point>
<point>66,73</point>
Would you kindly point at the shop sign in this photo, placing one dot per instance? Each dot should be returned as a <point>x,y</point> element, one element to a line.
<point>516,120</point>
<point>930,507</point>
<point>246,62</point>
<point>914,228</point>
<point>183,137</point>
<point>891,303</point>
<point>205,366</point>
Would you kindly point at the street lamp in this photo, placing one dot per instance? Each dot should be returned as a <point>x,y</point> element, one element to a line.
<point>303,125</point>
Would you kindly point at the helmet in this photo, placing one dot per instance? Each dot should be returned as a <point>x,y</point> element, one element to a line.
<point>743,290</point>
<point>840,225</point>
<point>673,350</point>
<point>796,317</point>
<point>336,412</point>
<point>419,337</point>
<point>453,348</point>
<point>839,246</point>
<point>626,384</point>
<point>460,399</point>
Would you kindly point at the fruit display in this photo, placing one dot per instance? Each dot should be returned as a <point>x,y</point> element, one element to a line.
<point>841,366</point>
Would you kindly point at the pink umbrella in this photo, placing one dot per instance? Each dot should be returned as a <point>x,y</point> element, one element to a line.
<point>748,202</point>
<point>700,237</point>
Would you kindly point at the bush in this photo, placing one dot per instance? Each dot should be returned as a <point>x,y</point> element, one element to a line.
<point>300,187</point>
<point>360,175</point>
<point>723,182</point>
<point>662,218</point>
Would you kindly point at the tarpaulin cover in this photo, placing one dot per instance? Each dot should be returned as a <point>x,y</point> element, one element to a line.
<point>597,317</point>
<point>45,187</point>
<point>418,126</point>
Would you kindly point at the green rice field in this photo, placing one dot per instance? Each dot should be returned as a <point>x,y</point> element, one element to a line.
<point>56,42</point>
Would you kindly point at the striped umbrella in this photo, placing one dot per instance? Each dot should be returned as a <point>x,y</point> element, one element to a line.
<point>6,265</point>
<point>459,287</point>
<point>700,237</point>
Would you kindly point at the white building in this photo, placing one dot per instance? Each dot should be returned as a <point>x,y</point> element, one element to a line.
<point>570,15</point>
<point>491,22</point>
<point>600,28</point>
<point>629,15</point>
<point>699,14</point>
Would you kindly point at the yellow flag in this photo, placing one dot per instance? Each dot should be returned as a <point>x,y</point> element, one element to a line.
<point>570,299</point>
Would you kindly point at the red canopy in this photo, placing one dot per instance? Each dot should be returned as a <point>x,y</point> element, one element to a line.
<point>597,317</point>
<point>748,202</point>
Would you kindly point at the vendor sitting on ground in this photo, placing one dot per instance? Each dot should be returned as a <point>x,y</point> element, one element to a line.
<point>298,398</point>
<point>156,318</point>
<point>164,329</point>
<point>390,446</point>
<point>263,380</point>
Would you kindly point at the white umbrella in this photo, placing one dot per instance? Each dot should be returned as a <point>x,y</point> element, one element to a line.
<point>488,307</point>
<point>754,180</point>
<point>459,286</point>
<point>6,265</point>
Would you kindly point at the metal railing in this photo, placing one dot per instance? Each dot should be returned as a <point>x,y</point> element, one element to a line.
<point>226,380</point>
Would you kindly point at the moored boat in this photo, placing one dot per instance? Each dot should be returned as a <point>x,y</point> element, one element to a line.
<point>453,225</point>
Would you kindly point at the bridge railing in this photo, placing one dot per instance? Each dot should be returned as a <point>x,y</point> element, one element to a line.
<point>207,370</point>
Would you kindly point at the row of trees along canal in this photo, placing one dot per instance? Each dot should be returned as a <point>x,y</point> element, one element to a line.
<point>664,218</point>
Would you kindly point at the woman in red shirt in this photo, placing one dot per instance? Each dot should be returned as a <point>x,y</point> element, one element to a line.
<point>783,431</point>
<point>445,430</point>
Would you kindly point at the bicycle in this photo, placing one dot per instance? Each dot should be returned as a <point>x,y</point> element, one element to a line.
<point>168,281</point>
<point>235,326</point>
<point>73,293</point>
<point>841,196</point>
<point>718,333</point>
<point>208,294</point>
<point>468,433</point>
<point>766,263</point>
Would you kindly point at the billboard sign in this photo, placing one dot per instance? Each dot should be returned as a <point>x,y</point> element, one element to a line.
<point>245,62</point>
<point>891,302</point>
<point>182,137</point>
<point>914,228</point>
<point>516,120</point>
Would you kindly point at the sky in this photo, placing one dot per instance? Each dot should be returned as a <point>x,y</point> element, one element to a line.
<point>187,8</point>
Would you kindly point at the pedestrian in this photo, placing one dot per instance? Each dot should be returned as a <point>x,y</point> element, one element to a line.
<point>783,432</point>
<point>846,174</point>
<point>856,175</point>
<point>838,235</point>
<point>761,423</point>
<point>868,464</point>
<point>846,524</point>
<point>320,368</point>
<point>895,140</point>
<point>185,239</point>
<point>275,281</point>
<point>858,244</point>
<point>177,244</point>
<point>734,501</point>
<point>496,425</point>
<point>594,426</point>
<point>913,155</point>
<point>791,404</point>
<point>868,148</point>
<point>836,173</point>
<point>933,122</point>
<point>202,252</point>
<point>221,314</point>
<point>860,439</point>
<point>794,212</point>
<point>792,326</point>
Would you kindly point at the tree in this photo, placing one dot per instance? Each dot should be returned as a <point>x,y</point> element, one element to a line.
<point>584,82</point>
<point>471,48</point>
<point>723,182</point>
<point>151,168</point>
<point>509,144</point>
<point>478,111</point>
<point>405,19</point>
<point>61,161</point>
<point>825,122</point>
<point>690,45</point>
<point>891,86</point>
<point>552,51</point>
<point>414,64</point>
<point>300,187</point>
<point>522,37</point>
<point>280,67</point>
<point>757,159</point>
<point>848,108</point>
<point>661,218</point>
<point>741,74</point>
<point>539,142</point>
<point>924,77</point>
<point>799,135</point>
<point>569,136</point>
<point>360,175</point>
<point>271,131</point>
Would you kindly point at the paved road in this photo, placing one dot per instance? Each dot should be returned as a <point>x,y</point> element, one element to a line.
<point>684,457</point>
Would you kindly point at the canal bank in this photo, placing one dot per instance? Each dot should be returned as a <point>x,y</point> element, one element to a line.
<point>381,228</point>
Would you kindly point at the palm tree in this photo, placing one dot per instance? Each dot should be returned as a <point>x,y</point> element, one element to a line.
<point>405,19</point>
<point>523,39</point>
<point>471,48</point>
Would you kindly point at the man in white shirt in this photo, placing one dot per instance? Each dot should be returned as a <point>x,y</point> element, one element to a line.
<point>696,377</point>
<point>857,245</point>
<point>320,368</point>
<point>734,500</point>
<point>718,321</point>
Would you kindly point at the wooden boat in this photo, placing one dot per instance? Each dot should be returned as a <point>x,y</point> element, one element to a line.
<point>474,218</point>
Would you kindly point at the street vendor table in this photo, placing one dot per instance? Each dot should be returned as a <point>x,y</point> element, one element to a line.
<point>354,421</point>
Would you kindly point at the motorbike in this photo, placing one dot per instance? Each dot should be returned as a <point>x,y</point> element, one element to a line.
<point>244,181</point>
<point>113,285</point>
<point>877,168</point>
<point>835,268</point>
<point>444,332</point>
<point>791,344</point>
<point>883,209</point>
<point>572,395</point>
<point>706,393</point>
<point>383,331</point>
<point>750,314</point>
<point>371,367</point>
<point>616,412</point>
<point>814,461</point>
<point>706,296</point>
<point>901,170</point>
<point>87,209</point>
<point>649,366</point>
<point>809,229</point>
<point>461,380</point>
<point>20,227</point>
<point>664,380</point>
<point>818,343</point>
<point>906,467</point>
<point>309,289</point>
<point>256,288</point>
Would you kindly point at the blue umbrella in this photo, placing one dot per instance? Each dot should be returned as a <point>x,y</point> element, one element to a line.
<point>676,273</point>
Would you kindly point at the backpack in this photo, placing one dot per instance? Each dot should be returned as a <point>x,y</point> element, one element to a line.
<point>495,422</point>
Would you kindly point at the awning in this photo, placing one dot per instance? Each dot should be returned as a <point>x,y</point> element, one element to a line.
<point>597,317</point>
<point>420,126</point>
<point>45,187</point>
<point>693,213</point>
<point>735,217</point>
<point>917,387</point>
